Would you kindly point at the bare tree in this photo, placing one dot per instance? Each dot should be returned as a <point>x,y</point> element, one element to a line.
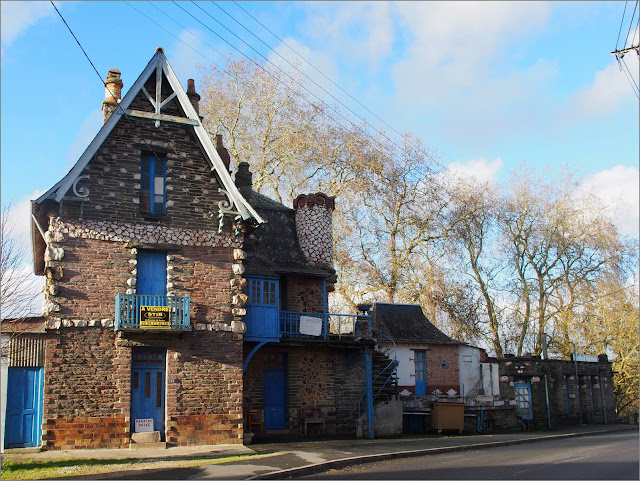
<point>18,287</point>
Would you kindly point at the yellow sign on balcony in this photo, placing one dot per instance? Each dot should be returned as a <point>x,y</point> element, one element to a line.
<point>154,317</point>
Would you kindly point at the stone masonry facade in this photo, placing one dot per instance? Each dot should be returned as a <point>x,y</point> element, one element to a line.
<point>93,240</point>
<point>87,395</point>
<point>579,392</point>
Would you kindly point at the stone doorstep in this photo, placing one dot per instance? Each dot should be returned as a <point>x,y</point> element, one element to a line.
<point>158,445</point>
<point>146,440</point>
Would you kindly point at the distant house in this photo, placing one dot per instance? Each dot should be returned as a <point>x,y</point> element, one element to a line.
<point>428,359</point>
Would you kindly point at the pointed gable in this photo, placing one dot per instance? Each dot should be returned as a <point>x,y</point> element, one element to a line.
<point>157,98</point>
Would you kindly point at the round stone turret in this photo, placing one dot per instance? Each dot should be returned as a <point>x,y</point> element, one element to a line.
<point>314,226</point>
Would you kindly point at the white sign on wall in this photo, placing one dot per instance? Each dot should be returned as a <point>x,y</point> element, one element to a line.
<point>143,425</point>
<point>310,326</point>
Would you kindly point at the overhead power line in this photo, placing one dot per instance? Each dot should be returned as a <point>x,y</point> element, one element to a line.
<point>314,67</point>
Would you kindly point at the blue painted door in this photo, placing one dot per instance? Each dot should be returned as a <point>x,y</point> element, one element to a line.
<point>275,391</point>
<point>523,399</point>
<point>148,388</point>
<point>262,308</point>
<point>421,372</point>
<point>152,273</point>
<point>24,407</point>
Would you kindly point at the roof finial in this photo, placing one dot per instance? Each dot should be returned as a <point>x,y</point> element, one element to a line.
<point>160,49</point>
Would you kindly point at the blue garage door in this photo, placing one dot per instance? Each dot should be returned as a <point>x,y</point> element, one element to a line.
<point>24,407</point>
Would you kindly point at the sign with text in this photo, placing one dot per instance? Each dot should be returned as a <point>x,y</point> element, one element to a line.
<point>310,326</point>
<point>144,425</point>
<point>154,317</point>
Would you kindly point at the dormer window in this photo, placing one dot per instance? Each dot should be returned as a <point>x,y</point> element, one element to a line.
<point>153,179</point>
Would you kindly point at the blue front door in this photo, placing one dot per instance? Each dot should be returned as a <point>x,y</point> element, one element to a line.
<point>275,391</point>
<point>148,389</point>
<point>523,399</point>
<point>152,273</point>
<point>24,407</point>
<point>262,308</point>
<point>421,372</point>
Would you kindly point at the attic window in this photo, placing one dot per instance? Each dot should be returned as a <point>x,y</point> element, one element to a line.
<point>153,179</point>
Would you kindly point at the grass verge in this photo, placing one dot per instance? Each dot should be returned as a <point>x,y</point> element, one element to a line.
<point>67,468</point>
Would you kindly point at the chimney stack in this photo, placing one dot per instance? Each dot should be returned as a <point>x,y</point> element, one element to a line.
<point>222,151</point>
<point>314,226</point>
<point>112,93</point>
<point>194,97</point>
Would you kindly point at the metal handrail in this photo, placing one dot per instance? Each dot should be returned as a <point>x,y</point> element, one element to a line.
<point>127,312</point>
<point>394,363</point>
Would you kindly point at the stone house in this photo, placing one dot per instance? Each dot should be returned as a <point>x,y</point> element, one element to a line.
<point>552,392</point>
<point>179,303</point>
<point>428,359</point>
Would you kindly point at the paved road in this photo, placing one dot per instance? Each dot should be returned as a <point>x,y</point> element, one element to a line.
<point>607,456</point>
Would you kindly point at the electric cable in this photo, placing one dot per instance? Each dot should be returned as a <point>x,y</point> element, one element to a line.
<point>630,24</point>
<point>118,106</point>
<point>269,73</point>
<point>621,21</point>
<point>303,58</point>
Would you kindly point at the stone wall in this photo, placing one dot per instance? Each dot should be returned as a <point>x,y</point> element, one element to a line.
<point>314,226</point>
<point>87,392</point>
<point>438,376</point>
<point>585,393</point>
<point>112,177</point>
<point>304,294</point>
<point>83,282</point>
<point>329,380</point>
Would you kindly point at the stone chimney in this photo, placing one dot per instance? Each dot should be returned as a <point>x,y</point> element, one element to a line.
<point>112,93</point>
<point>244,180</point>
<point>194,97</point>
<point>224,153</point>
<point>314,226</point>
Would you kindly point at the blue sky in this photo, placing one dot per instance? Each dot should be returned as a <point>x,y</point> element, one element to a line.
<point>486,85</point>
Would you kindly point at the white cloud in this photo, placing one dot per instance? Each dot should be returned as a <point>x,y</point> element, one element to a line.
<point>357,31</point>
<point>619,188</point>
<point>19,217</point>
<point>184,59</point>
<point>17,17</point>
<point>453,42</point>
<point>481,169</point>
<point>608,90</point>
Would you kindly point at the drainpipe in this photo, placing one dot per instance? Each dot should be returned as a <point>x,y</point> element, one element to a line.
<point>325,307</point>
<point>604,403</point>
<point>546,393</point>
<point>369,391</point>
<point>575,363</point>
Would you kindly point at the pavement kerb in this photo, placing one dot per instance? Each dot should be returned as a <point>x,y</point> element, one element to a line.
<point>343,462</point>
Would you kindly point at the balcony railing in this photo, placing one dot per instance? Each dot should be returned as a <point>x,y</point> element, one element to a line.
<point>174,315</point>
<point>311,325</point>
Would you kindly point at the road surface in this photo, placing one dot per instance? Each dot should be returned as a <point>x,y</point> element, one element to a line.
<point>607,456</point>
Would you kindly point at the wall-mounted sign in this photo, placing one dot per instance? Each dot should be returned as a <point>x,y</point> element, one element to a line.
<point>310,326</point>
<point>154,317</point>
<point>144,425</point>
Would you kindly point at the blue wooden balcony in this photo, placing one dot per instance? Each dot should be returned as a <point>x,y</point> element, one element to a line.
<point>263,325</point>
<point>172,313</point>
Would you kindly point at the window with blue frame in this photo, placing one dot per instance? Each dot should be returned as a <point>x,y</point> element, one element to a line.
<point>153,179</point>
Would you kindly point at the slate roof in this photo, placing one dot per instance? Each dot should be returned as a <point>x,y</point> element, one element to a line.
<point>273,247</point>
<point>406,323</point>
